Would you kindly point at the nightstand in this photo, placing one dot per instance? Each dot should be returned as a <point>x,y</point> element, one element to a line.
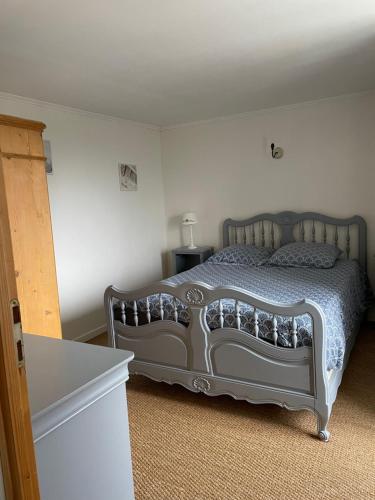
<point>184,258</point>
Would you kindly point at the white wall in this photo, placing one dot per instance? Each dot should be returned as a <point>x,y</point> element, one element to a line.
<point>223,168</point>
<point>102,236</point>
<point>220,168</point>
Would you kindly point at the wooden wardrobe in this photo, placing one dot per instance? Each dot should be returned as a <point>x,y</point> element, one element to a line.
<point>25,203</point>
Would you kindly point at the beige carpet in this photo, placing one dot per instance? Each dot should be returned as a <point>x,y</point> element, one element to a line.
<point>189,446</point>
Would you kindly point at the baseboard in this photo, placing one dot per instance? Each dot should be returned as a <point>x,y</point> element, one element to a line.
<point>91,334</point>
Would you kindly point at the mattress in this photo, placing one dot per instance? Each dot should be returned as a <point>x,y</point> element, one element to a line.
<point>339,291</point>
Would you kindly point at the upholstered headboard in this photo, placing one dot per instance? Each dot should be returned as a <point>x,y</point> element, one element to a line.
<point>275,230</point>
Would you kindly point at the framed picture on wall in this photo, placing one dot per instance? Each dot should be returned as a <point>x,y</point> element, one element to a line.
<point>128,177</point>
<point>48,155</point>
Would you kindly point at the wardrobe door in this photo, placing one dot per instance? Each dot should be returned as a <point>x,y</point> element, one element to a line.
<point>26,194</point>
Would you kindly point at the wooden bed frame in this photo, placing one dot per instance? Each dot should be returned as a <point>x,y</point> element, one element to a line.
<point>229,360</point>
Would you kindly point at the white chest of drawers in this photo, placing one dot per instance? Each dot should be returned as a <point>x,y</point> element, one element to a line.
<point>79,417</point>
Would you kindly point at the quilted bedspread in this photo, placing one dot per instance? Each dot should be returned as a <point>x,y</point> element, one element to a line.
<point>339,291</point>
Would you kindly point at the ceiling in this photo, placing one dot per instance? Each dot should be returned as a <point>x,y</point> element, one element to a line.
<point>173,61</point>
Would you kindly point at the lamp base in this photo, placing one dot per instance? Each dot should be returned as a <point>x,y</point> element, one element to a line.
<point>191,246</point>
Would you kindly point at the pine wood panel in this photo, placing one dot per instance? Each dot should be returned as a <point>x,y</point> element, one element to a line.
<point>35,143</point>
<point>14,140</point>
<point>4,458</point>
<point>26,192</point>
<point>19,460</point>
<point>28,206</point>
<point>14,121</point>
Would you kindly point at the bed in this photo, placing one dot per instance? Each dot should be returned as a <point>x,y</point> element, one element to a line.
<point>264,334</point>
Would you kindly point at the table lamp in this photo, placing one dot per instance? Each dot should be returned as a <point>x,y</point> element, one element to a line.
<point>189,219</point>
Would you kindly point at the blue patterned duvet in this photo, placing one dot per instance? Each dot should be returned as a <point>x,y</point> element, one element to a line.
<point>339,291</point>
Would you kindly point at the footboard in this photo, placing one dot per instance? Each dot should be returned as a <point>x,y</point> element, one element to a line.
<point>166,326</point>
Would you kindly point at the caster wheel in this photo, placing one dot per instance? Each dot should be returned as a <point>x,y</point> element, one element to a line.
<point>324,436</point>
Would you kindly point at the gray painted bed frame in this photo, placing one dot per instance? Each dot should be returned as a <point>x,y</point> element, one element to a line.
<point>231,361</point>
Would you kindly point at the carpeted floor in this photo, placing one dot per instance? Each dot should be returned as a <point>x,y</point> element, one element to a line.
<point>190,446</point>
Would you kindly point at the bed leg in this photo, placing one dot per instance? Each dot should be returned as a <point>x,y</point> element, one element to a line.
<point>323,418</point>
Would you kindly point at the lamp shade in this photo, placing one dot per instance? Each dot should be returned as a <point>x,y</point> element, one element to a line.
<point>189,218</point>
